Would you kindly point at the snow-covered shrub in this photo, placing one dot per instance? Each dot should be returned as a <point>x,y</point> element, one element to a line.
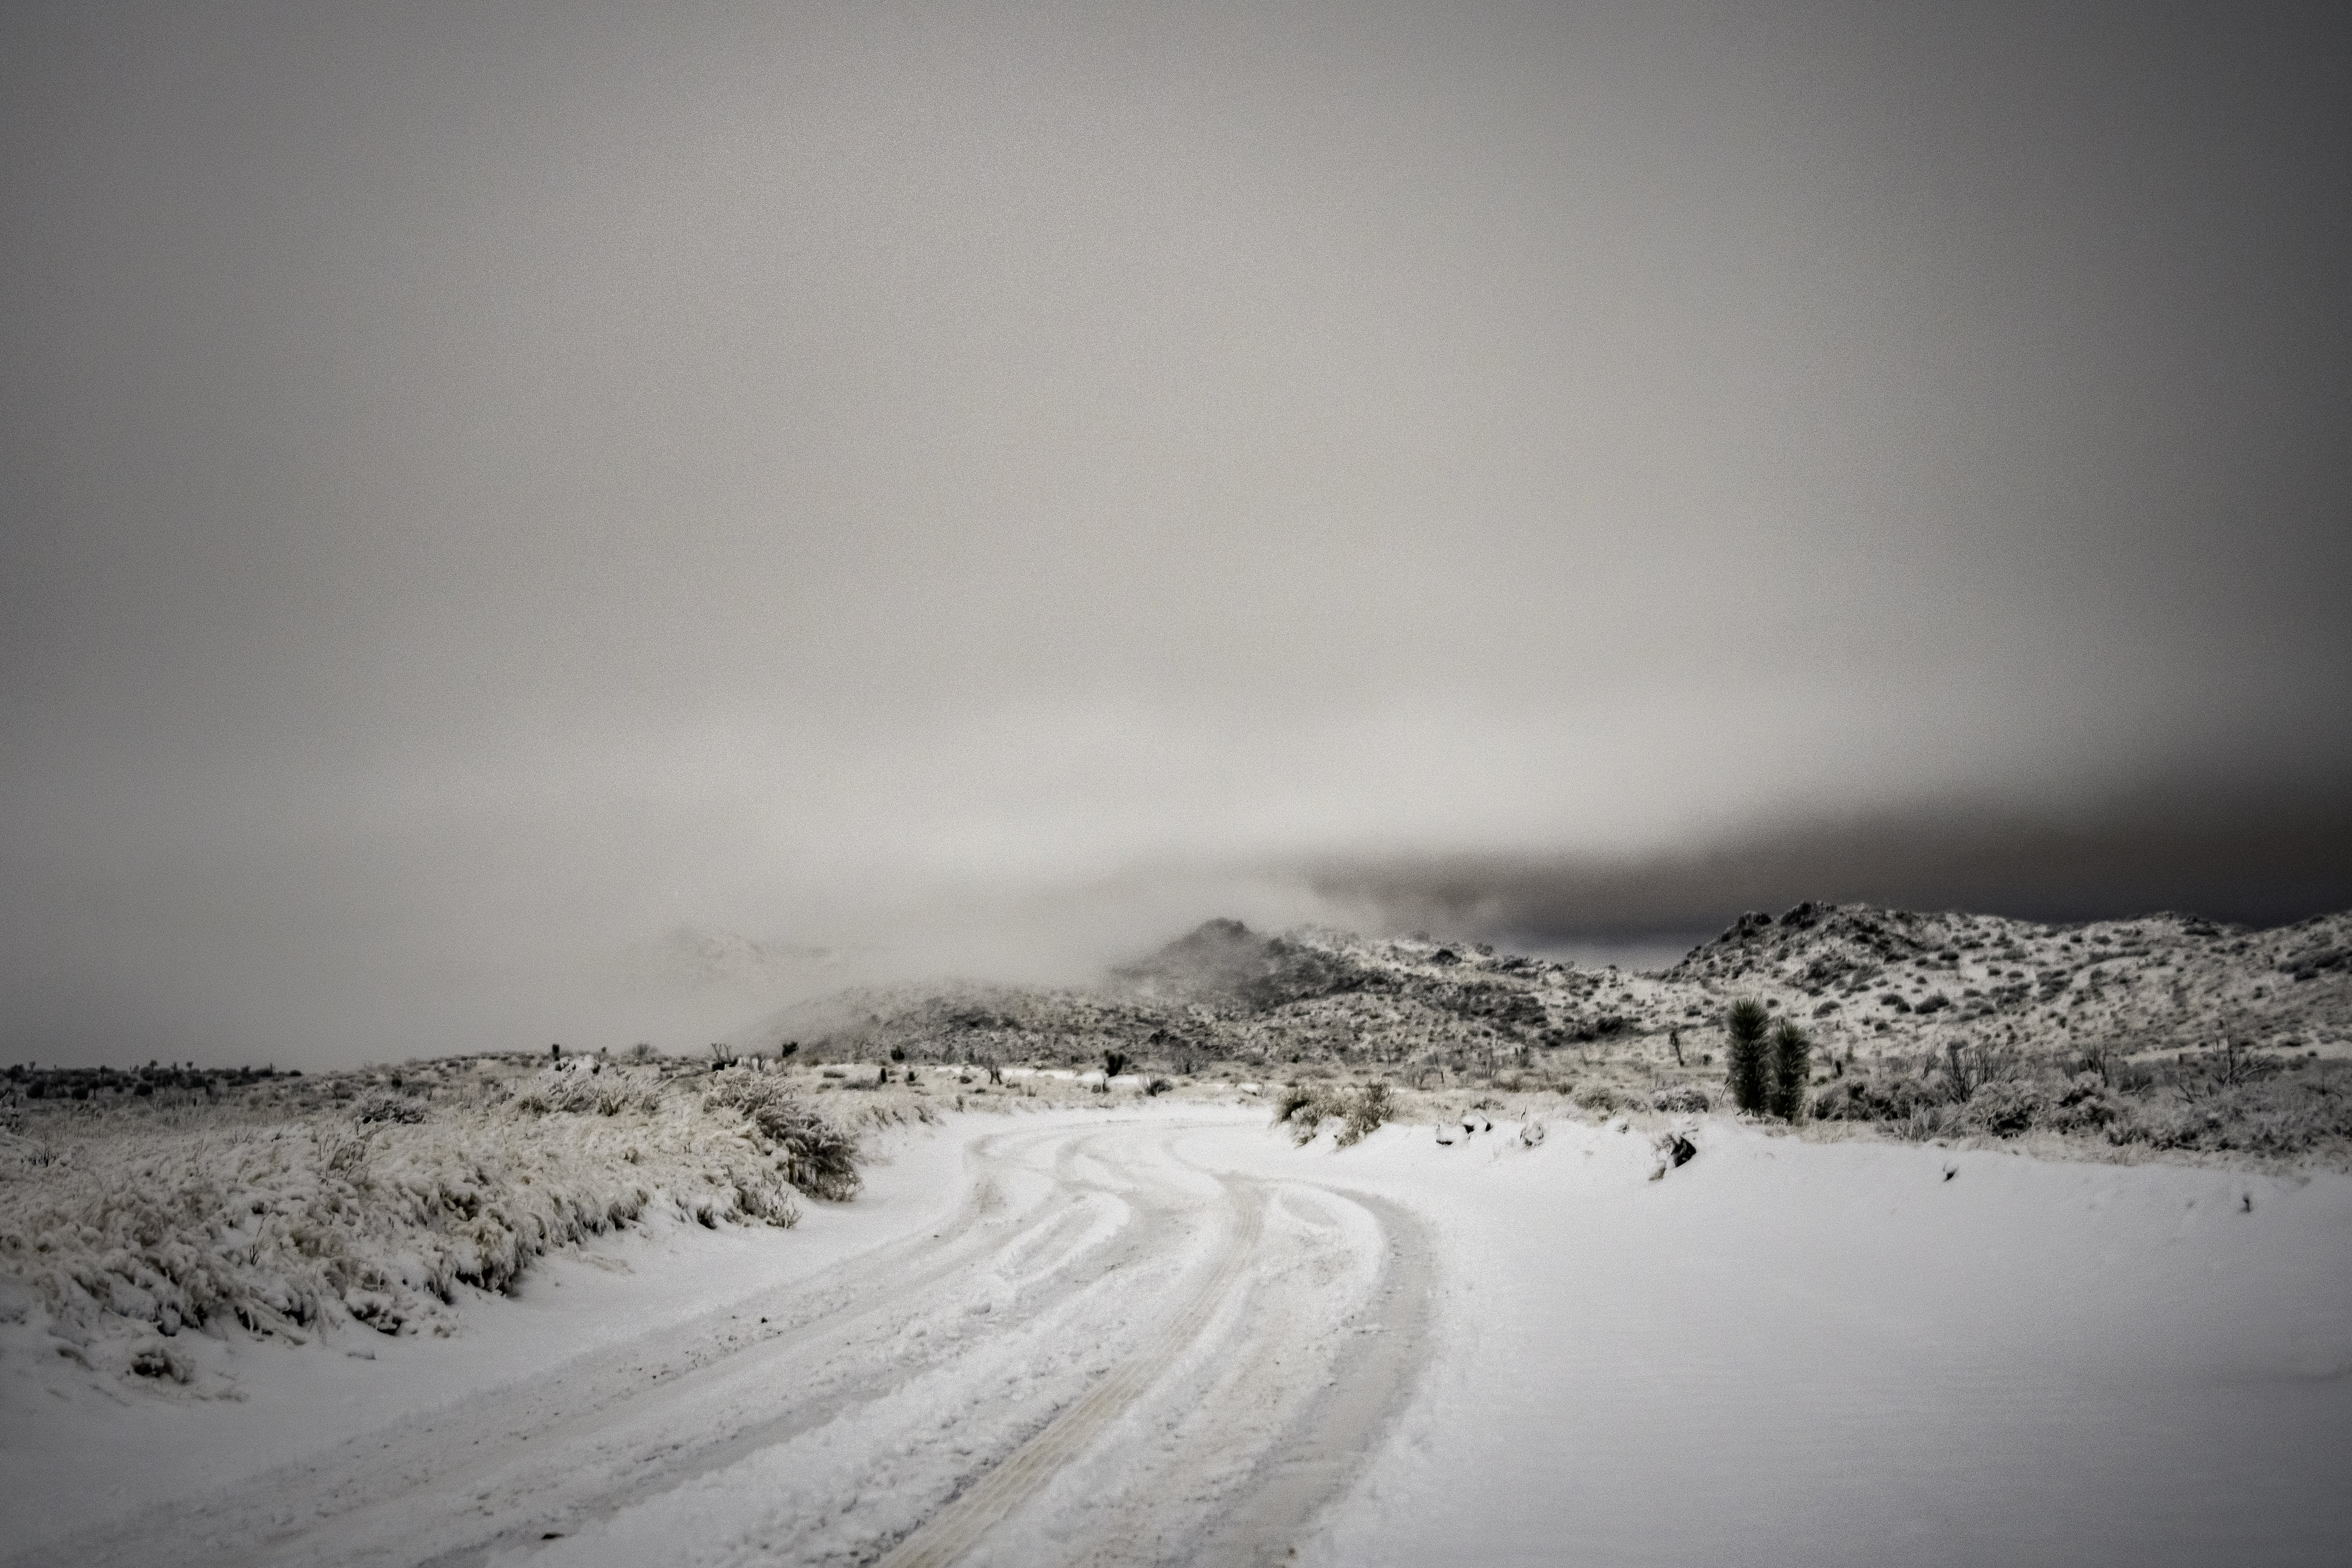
<point>381,1106</point>
<point>2282,1117</point>
<point>1965,1066</point>
<point>2006,1108</point>
<point>309,1216</point>
<point>1363,1112</point>
<point>1687,1100</point>
<point>820,1157</point>
<point>2279,1115</point>
<point>1298,1105</point>
<point>1926,1119</point>
<point>1360,1111</point>
<point>1892,1098</point>
<point>589,1088</point>
<point>2085,1105</point>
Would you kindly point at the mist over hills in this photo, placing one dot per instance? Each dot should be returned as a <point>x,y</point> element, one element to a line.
<point>690,956</point>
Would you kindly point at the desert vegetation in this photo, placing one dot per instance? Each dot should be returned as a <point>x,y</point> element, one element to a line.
<point>1359,1109</point>
<point>1792,1068</point>
<point>281,1205</point>
<point>2217,1101</point>
<point>1747,1074</point>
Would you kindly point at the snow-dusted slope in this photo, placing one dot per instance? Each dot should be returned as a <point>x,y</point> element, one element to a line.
<point>1861,979</point>
<point>2163,982</point>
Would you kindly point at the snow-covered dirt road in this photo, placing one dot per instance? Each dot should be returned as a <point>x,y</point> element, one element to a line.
<point>1107,1353</point>
<point>1161,1334</point>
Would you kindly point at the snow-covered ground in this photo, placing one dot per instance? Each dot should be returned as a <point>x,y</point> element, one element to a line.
<point>1165,1334</point>
<point>1787,1352</point>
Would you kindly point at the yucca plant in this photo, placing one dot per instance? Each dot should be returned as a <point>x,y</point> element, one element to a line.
<point>1748,1075</point>
<point>1792,1069</point>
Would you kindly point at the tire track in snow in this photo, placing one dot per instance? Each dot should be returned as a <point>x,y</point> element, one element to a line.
<point>1329,1442</point>
<point>1314,1454</point>
<point>1274,1414</point>
<point>952,1532</point>
<point>1072,1271</point>
<point>436,1462</point>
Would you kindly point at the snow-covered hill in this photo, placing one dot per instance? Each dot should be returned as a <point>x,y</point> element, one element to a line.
<point>2163,982</point>
<point>2166,1032</point>
<point>1864,981</point>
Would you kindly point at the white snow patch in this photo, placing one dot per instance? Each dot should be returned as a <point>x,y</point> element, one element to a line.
<point>1788,1352</point>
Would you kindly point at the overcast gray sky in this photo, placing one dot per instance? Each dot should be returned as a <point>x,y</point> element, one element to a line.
<point>981,488</point>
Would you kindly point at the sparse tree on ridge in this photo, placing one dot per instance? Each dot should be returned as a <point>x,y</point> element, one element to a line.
<point>1745,1055</point>
<point>1792,1069</point>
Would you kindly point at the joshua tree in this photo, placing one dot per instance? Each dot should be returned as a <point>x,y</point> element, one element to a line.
<point>1114,1064</point>
<point>1792,1065</point>
<point>1745,1055</point>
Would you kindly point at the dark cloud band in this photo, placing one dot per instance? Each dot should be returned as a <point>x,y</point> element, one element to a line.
<point>2254,860</point>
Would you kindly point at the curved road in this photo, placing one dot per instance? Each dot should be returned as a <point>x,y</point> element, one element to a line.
<point>1112,1353</point>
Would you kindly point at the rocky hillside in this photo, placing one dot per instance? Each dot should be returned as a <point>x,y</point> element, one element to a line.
<point>2163,982</point>
<point>1866,982</point>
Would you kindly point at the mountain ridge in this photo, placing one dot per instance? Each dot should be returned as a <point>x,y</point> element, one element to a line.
<point>1863,980</point>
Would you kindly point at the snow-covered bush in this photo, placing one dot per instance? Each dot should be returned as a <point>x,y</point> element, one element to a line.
<point>2281,1116</point>
<point>2278,1114</point>
<point>384,1107</point>
<point>2006,1108</point>
<point>1364,1112</point>
<point>2087,1104</point>
<point>820,1157</point>
<point>329,1213</point>
<point>1891,1097</point>
<point>1361,1111</point>
<point>589,1088</point>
